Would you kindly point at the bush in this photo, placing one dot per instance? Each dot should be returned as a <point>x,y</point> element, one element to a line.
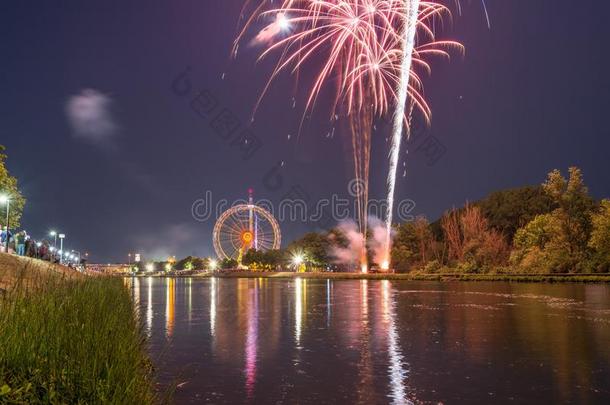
<point>468,267</point>
<point>433,267</point>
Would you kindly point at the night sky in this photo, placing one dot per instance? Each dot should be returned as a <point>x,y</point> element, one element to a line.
<point>530,95</point>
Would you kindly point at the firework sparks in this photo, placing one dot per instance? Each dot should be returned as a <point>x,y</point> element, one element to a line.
<point>362,45</point>
<point>373,50</point>
<point>268,35</point>
<point>408,45</point>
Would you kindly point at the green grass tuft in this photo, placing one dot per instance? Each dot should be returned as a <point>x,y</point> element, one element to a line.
<point>72,341</point>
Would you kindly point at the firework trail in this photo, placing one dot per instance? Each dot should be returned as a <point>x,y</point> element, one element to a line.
<point>409,31</point>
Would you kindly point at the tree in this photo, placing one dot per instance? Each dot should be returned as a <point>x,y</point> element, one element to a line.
<point>470,239</point>
<point>254,259</point>
<point>405,247</point>
<point>315,246</point>
<point>600,238</point>
<point>200,263</point>
<point>262,260</point>
<point>558,241</point>
<point>228,263</point>
<point>8,186</point>
<point>425,238</point>
<point>537,233</point>
<point>192,263</point>
<point>530,242</point>
<point>509,210</point>
<point>573,217</point>
<point>184,264</point>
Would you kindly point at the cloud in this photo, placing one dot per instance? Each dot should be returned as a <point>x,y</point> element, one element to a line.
<point>177,239</point>
<point>90,116</point>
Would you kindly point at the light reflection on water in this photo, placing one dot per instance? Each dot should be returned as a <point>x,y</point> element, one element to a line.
<point>358,341</point>
<point>398,372</point>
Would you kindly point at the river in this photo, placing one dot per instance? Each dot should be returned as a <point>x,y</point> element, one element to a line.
<point>233,341</point>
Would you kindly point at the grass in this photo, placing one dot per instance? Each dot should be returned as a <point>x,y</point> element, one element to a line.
<point>71,340</point>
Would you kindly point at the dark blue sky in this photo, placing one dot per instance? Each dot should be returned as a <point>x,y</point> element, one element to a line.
<point>531,94</point>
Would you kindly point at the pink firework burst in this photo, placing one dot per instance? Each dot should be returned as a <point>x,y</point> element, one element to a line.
<point>360,44</point>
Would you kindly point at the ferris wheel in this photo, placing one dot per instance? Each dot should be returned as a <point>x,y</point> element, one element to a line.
<point>244,227</point>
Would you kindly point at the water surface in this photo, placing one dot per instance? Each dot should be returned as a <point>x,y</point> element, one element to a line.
<point>230,341</point>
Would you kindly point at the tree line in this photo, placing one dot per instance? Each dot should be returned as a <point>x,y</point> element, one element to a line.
<point>556,227</point>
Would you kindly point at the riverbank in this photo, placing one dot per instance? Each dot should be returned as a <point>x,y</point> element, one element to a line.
<point>445,277</point>
<point>29,272</point>
<point>68,338</point>
<point>428,277</point>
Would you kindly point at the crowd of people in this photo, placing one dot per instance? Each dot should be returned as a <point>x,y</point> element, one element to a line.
<point>22,244</point>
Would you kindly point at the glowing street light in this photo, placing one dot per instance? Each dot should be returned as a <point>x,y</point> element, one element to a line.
<point>54,235</point>
<point>4,199</point>
<point>150,267</point>
<point>61,237</point>
<point>75,253</point>
<point>213,264</point>
<point>297,260</point>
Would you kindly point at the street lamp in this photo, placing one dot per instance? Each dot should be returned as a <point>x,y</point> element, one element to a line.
<point>297,260</point>
<point>4,199</point>
<point>54,235</point>
<point>79,255</point>
<point>61,236</point>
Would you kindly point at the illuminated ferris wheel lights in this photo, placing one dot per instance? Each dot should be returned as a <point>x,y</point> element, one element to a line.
<point>244,227</point>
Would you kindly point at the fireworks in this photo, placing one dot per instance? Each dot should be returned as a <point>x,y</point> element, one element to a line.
<point>361,42</point>
<point>372,51</point>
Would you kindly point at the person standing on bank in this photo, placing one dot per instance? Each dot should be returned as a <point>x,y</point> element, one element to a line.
<point>20,243</point>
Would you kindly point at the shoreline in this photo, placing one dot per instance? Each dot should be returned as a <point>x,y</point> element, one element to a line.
<point>55,325</point>
<point>446,277</point>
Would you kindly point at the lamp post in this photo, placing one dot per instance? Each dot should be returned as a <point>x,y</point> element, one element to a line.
<point>4,199</point>
<point>79,255</point>
<point>61,236</point>
<point>54,235</point>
